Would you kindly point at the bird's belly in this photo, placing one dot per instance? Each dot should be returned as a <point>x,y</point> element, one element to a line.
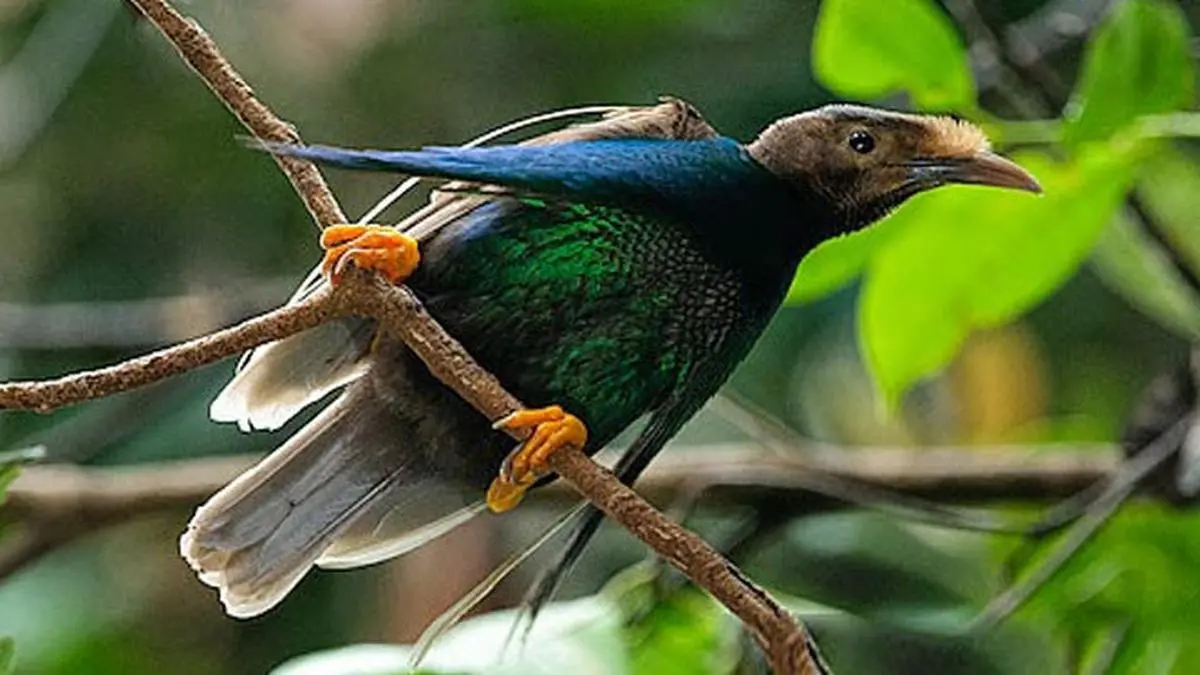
<point>609,365</point>
<point>590,307</point>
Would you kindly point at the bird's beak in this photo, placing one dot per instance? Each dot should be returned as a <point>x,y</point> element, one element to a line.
<point>984,168</point>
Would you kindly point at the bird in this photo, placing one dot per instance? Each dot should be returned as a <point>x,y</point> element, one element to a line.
<point>605,273</point>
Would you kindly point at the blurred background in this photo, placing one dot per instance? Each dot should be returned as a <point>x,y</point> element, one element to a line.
<point>133,217</point>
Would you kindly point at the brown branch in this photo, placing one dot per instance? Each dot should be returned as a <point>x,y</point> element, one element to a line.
<point>48,395</point>
<point>360,295</point>
<point>731,472</point>
<point>782,638</point>
<point>957,474</point>
<point>76,494</point>
<point>134,323</point>
<point>201,53</point>
<point>778,633</point>
<point>54,505</point>
<point>28,544</point>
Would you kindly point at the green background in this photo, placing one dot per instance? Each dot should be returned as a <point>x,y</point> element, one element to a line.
<point>969,318</point>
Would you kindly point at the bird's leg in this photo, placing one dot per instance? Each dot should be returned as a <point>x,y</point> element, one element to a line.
<point>552,430</point>
<point>371,247</point>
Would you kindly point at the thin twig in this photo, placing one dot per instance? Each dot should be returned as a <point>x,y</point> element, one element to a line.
<point>145,322</point>
<point>201,53</point>
<point>731,472</point>
<point>777,631</point>
<point>48,395</point>
<point>78,494</point>
<point>1115,492</point>
<point>26,545</point>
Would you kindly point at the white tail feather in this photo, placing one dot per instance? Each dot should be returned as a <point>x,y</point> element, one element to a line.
<point>339,556</point>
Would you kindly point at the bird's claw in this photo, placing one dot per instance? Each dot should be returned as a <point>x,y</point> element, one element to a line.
<point>378,248</point>
<point>553,429</point>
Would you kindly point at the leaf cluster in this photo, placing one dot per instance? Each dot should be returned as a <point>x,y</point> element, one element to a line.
<point>963,259</point>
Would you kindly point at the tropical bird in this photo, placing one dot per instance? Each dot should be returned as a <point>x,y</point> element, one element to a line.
<point>604,273</point>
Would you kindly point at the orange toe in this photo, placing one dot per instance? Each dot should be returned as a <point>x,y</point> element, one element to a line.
<point>336,235</point>
<point>377,248</point>
<point>552,430</point>
<point>503,495</point>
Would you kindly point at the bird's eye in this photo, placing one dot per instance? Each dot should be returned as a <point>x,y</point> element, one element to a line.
<point>862,142</point>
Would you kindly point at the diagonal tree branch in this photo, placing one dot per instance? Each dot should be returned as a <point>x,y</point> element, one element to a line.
<point>785,642</point>
<point>201,53</point>
<point>48,395</point>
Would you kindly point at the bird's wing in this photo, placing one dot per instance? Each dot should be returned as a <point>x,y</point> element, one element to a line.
<point>277,380</point>
<point>661,172</point>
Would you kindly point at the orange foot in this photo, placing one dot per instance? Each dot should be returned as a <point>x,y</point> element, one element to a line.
<point>553,430</point>
<point>371,247</point>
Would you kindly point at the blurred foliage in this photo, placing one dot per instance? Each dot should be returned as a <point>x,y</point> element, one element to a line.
<point>971,311</point>
<point>1127,261</point>
<point>1136,575</point>
<point>582,636</point>
<point>632,627</point>
<point>861,52</point>
<point>641,624</point>
<point>8,656</point>
<point>935,282</point>
<point>9,469</point>
<point>1138,63</point>
<point>8,473</point>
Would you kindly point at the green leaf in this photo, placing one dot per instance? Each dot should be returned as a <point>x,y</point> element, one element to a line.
<point>973,258</point>
<point>1139,63</point>
<point>582,637</point>
<point>1130,264</point>
<point>833,264</point>
<point>686,633</point>
<point>8,473</point>
<point>1168,185</point>
<point>865,51</point>
<point>1136,575</point>
<point>10,465</point>
<point>8,656</point>
<point>1145,652</point>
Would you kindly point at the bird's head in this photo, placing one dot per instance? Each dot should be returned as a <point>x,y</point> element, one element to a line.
<point>865,162</point>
